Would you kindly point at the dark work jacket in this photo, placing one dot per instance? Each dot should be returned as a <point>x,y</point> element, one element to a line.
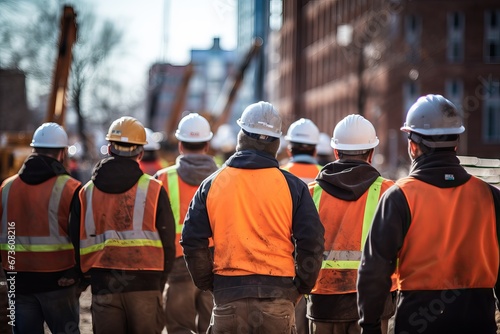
<point>35,170</point>
<point>347,180</point>
<point>308,234</point>
<point>438,311</point>
<point>116,175</point>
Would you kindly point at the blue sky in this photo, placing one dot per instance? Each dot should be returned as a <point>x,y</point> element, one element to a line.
<point>191,24</point>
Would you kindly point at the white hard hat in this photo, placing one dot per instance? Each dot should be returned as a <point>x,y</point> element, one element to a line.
<point>354,133</point>
<point>193,128</point>
<point>50,135</point>
<point>303,131</point>
<point>152,144</point>
<point>323,147</point>
<point>261,118</point>
<point>433,115</point>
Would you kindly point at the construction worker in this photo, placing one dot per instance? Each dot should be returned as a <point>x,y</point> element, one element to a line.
<point>302,137</point>
<point>346,193</point>
<point>187,308</point>
<point>151,162</point>
<point>440,224</point>
<point>37,253</point>
<point>268,240</point>
<point>324,152</point>
<point>127,236</point>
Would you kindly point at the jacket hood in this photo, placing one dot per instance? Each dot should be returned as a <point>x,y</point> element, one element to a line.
<point>347,179</point>
<point>441,169</point>
<point>194,168</point>
<point>252,159</point>
<point>116,175</point>
<point>38,168</point>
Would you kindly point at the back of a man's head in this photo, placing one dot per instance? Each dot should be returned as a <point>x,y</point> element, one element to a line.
<point>260,128</point>
<point>354,137</point>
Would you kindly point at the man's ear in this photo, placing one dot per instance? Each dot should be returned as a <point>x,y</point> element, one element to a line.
<point>140,155</point>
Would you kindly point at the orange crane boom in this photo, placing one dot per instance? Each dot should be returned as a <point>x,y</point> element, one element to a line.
<point>57,102</point>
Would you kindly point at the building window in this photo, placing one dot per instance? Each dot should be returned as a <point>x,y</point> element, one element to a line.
<point>456,28</point>
<point>491,119</point>
<point>413,30</point>
<point>492,36</point>
<point>454,91</point>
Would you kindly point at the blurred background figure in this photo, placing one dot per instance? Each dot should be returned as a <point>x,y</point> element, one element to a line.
<point>151,161</point>
<point>223,143</point>
<point>302,137</point>
<point>324,152</point>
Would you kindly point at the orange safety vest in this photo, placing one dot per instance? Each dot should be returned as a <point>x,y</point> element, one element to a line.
<point>118,231</point>
<point>452,239</point>
<point>35,219</point>
<point>180,194</point>
<point>347,224</point>
<point>305,172</point>
<point>252,223</point>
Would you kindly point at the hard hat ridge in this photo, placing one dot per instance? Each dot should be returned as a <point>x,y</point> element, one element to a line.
<point>354,133</point>
<point>303,131</point>
<point>261,119</point>
<point>193,128</point>
<point>434,121</point>
<point>49,135</point>
<point>126,136</point>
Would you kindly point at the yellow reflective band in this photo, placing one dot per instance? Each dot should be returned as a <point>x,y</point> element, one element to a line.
<point>37,248</point>
<point>121,243</point>
<point>332,264</point>
<point>317,191</point>
<point>370,206</point>
<point>173,192</point>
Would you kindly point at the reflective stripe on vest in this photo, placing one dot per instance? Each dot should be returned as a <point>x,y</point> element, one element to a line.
<point>136,237</point>
<point>51,243</point>
<point>175,199</point>
<point>337,259</point>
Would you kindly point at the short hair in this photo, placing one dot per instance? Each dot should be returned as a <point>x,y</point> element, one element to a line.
<point>246,142</point>
<point>300,148</point>
<point>127,150</point>
<point>426,143</point>
<point>194,146</point>
<point>354,155</point>
<point>51,152</point>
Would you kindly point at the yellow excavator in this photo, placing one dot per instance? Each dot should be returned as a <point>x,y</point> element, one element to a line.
<point>14,146</point>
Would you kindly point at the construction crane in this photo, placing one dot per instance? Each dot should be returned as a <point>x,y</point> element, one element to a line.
<point>228,96</point>
<point>57,102</point>
<point>234,84</point>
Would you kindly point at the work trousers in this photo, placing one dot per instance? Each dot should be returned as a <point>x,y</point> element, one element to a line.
<point>345,327</point>
<point>136,312</point>
<point>187,308</point>
<point>254,316</point>
<point>60,309</point>
<point>300,316</point>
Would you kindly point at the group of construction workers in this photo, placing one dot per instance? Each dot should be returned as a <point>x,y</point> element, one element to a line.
<point>255,246</point>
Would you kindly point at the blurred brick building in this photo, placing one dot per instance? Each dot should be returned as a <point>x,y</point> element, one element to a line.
<point>376,57</point>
